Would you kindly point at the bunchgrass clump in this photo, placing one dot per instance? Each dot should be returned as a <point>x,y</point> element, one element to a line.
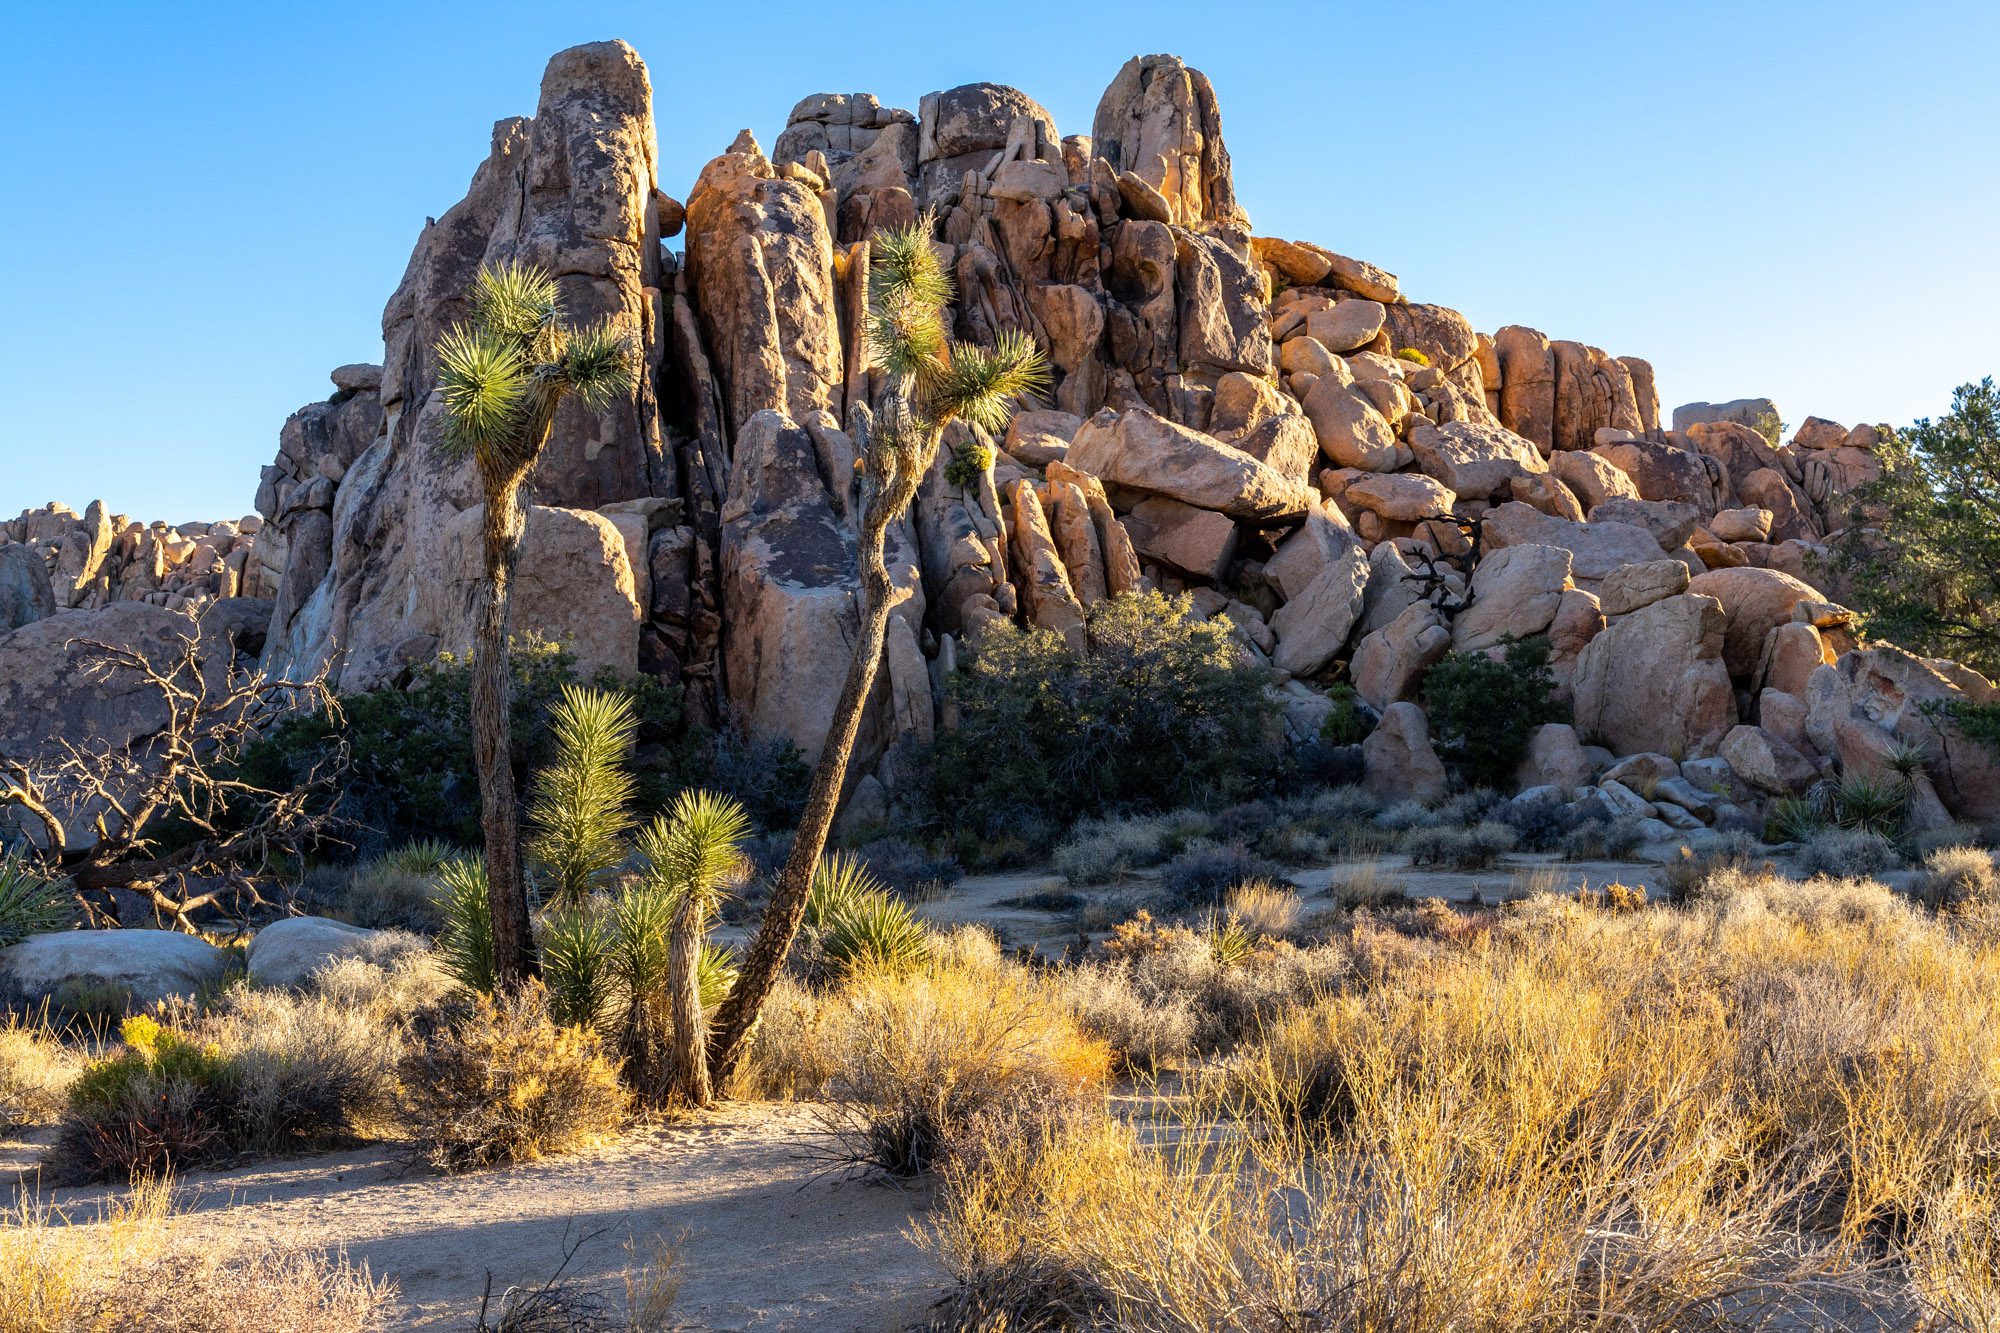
<point>1957,879</point>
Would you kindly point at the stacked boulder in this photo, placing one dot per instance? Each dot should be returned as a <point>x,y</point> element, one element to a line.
<point>1355,482</point>
<point>54,559</point>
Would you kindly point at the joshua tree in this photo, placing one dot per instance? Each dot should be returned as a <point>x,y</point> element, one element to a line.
<point>503,375</point>
<point>933,381</point>
<point>691,851</point>
<point>579,809</point>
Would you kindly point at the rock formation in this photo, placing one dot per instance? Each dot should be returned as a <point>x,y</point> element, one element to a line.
<point>1353,480</point>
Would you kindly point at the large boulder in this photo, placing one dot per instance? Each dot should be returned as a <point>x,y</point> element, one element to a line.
<point>1390,663</point>
<point>1662,471</point>
<point>1515,593</point>
<point>1142,451</point>
<point>790,593</point>
<point>1654,680</point>
<point>1400,763</point>
<point>1901,698</point>
<point>577,584</point>
<point>1756,601</point>
<point>962,128</point>
<point>1313,626</point>
<point>25,596</point>
<point>1159,120</point>
<point>1476,460</point>
<point>1597,550</point>
<point>1350,429</point>
<point>575,190</point>
<point>142,967</point>
<point>289,952</point>
<point>1554,758</point>
<point>1635,586</point>
<point>1766,762</point>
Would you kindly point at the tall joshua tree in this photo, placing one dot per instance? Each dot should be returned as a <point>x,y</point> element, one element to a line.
<point>503,374</point>
<point>933,381</point>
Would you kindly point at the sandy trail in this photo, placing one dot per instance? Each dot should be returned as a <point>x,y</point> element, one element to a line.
<point>769,1241</point>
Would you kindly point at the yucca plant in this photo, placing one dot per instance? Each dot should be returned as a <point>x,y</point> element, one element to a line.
<point>31,903</point>
<point>1872,805</point>
<point>422,856</point>
<point>932,381</point>
<point>692,854</point>
<point>579,810</point>
<point>577,967</point>
<point>466,943</point>
<point>859,922</point>
<point>501,377</point>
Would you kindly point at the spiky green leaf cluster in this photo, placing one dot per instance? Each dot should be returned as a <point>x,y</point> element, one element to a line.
<point>579,809</point>
<point>858,921</point>
<point>576,940</point>
<point>503,373</point>
<point>466,944</point>
<point>946,380</point>
<point>692,848</point>
<point>30,902</point>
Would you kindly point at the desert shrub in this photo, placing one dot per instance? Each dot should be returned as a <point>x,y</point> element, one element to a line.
<point>1144,1032</point>
<point>1847,854</point>
<point>1957,878</point>
<point>1792,819</point>
<point>1102,851</point>
<point>1413,355</point>
<point>1475,848</point>
<point>1688,875</point>
<point>1481,711</point>
<point>1161,710</point>
<point>411,776</point>
<point>384,894</point>
<point>1229,983</point>
<point>1870,804</point>
<point>1203,875</point>
<point>1346,724</point>
<point>1603,839</point>
<point>1268,911</point>
<point>921,1055</point>
<point>909,870</point>
<point>30,902</point>
<point>260,1072</point>
<point>36,1070</point>
<point>496,1080</point>
<point>1540,825</point>
<point>787,1054</point>
<point>853,921</point>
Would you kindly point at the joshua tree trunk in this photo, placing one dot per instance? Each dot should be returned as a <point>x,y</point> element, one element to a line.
<point>787,908</point>
<point>492,742</point>
<point>691,1082</point>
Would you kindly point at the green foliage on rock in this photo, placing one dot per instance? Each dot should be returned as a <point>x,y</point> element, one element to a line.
<point>1919,550</point>
<point>1161,710</point>
<point>1481,711</point>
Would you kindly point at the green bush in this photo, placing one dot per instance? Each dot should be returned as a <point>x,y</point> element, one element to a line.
<point>410,773</point>
<point>1346,724</point>
<point>30,902</point>
<point>1481,711</point>
<point>854,921</point>
<point>1160,711</point>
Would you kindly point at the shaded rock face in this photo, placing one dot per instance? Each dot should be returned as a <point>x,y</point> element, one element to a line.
<point>574,190</point>
<point>1356,480</point>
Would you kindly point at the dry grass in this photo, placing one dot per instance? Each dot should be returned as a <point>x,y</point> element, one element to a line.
<point>1265,909</point>
<point>123,1272</point>
<point>36,1070</point>
<point>1779,1102</point>
<point>1958,879</point>
<point>921,1055</point>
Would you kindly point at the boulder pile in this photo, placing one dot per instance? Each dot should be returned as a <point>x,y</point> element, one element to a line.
<point>54,559</point>
<point>1355,481</point>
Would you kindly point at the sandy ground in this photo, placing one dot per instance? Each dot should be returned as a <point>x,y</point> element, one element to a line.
<point>768,1239</point>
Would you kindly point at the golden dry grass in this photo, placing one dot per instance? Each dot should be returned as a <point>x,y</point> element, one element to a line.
<point>1781,1101</point>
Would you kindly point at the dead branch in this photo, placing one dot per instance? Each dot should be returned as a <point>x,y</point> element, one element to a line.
<point>169,815</point>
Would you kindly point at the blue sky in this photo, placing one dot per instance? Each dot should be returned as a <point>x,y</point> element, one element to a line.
<point>208,204</point>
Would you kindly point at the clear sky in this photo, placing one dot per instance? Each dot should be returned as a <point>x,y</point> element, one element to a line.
<point>208,204</point>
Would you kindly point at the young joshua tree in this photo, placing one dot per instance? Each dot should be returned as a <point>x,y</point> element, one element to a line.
<point>933,381</point>
<point>691,852</point>
<point>503,374</point>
